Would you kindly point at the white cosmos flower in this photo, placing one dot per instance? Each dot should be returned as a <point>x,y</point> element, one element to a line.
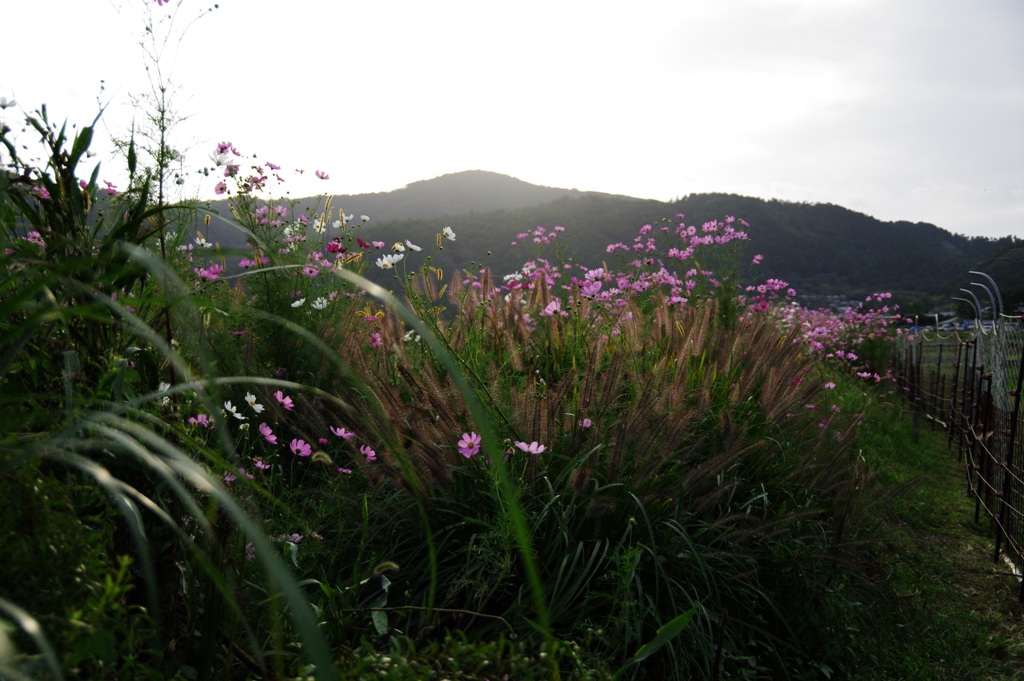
<point>388,261</point>
<point>230,408</point>
<point>398,247</point>
<point>251,400</point>
<point>448,233</point>
<point>364,218</point>
<point>412,246</point>
<point>299,302</point>
<point>320,303</point>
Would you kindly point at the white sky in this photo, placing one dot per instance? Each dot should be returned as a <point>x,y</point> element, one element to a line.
<point>902,109</point>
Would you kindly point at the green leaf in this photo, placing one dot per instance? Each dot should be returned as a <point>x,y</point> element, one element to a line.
<point>664,635</point>
<point>71,369</point>
<point>30,626</point>
<point>380,621</point>
<point>132,158</point>
<point>82,142</point>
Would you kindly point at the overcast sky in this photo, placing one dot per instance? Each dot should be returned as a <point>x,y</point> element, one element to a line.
<point>901,109</point>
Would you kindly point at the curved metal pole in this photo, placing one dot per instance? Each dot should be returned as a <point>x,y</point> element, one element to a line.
<point>977,314</point>
<point>977,303</point>
<point>994,286</point>
<point>991,299</point>
<point>1002,365</point>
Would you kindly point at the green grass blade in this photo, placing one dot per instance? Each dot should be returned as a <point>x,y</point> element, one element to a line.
<point>30,626</point>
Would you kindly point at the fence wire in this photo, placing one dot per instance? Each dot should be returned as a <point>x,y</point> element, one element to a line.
<point>969,385</point>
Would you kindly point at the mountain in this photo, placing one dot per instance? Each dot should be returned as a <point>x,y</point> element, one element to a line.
<point>820,249</point>
<point>470,191</point>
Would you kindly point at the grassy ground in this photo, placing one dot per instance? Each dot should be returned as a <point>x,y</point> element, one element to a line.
<point>942,608</point>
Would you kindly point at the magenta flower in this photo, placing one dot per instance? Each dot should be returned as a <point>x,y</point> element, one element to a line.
<point>469,445</point>
<point>260,463</point>
<point>201,420</point>
<point>375,340</point>
<point>586,423</point>
<point>532,448</point>
<point>368,452</point>
<point>220,188</point>
<point>343,433</point>
<point>286,402</point>
<point>210,273</point>
<point>266,432</point>
<point>300,448</point>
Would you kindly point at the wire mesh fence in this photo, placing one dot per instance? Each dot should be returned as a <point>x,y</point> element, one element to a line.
<point>968,384</point>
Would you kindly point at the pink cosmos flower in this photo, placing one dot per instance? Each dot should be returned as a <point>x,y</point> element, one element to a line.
<point>260,463</point>
<point>266,432</point>
<point>286,402</point>
<point>469,445</point>
<point>368,452</point>
<point>586,423</point>
<point>553,308</point>
<point>210,273</point>
<point>343,433</point>
<point>532,448</point>
<point>322,175</point>
<point>375,340</point>
<point>300,448</point>
<point>201,420</point>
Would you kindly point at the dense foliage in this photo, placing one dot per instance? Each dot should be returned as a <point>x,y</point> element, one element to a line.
<point>632,469</point>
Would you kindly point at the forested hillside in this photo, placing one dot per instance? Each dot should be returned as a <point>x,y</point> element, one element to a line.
<point>821,249</point>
